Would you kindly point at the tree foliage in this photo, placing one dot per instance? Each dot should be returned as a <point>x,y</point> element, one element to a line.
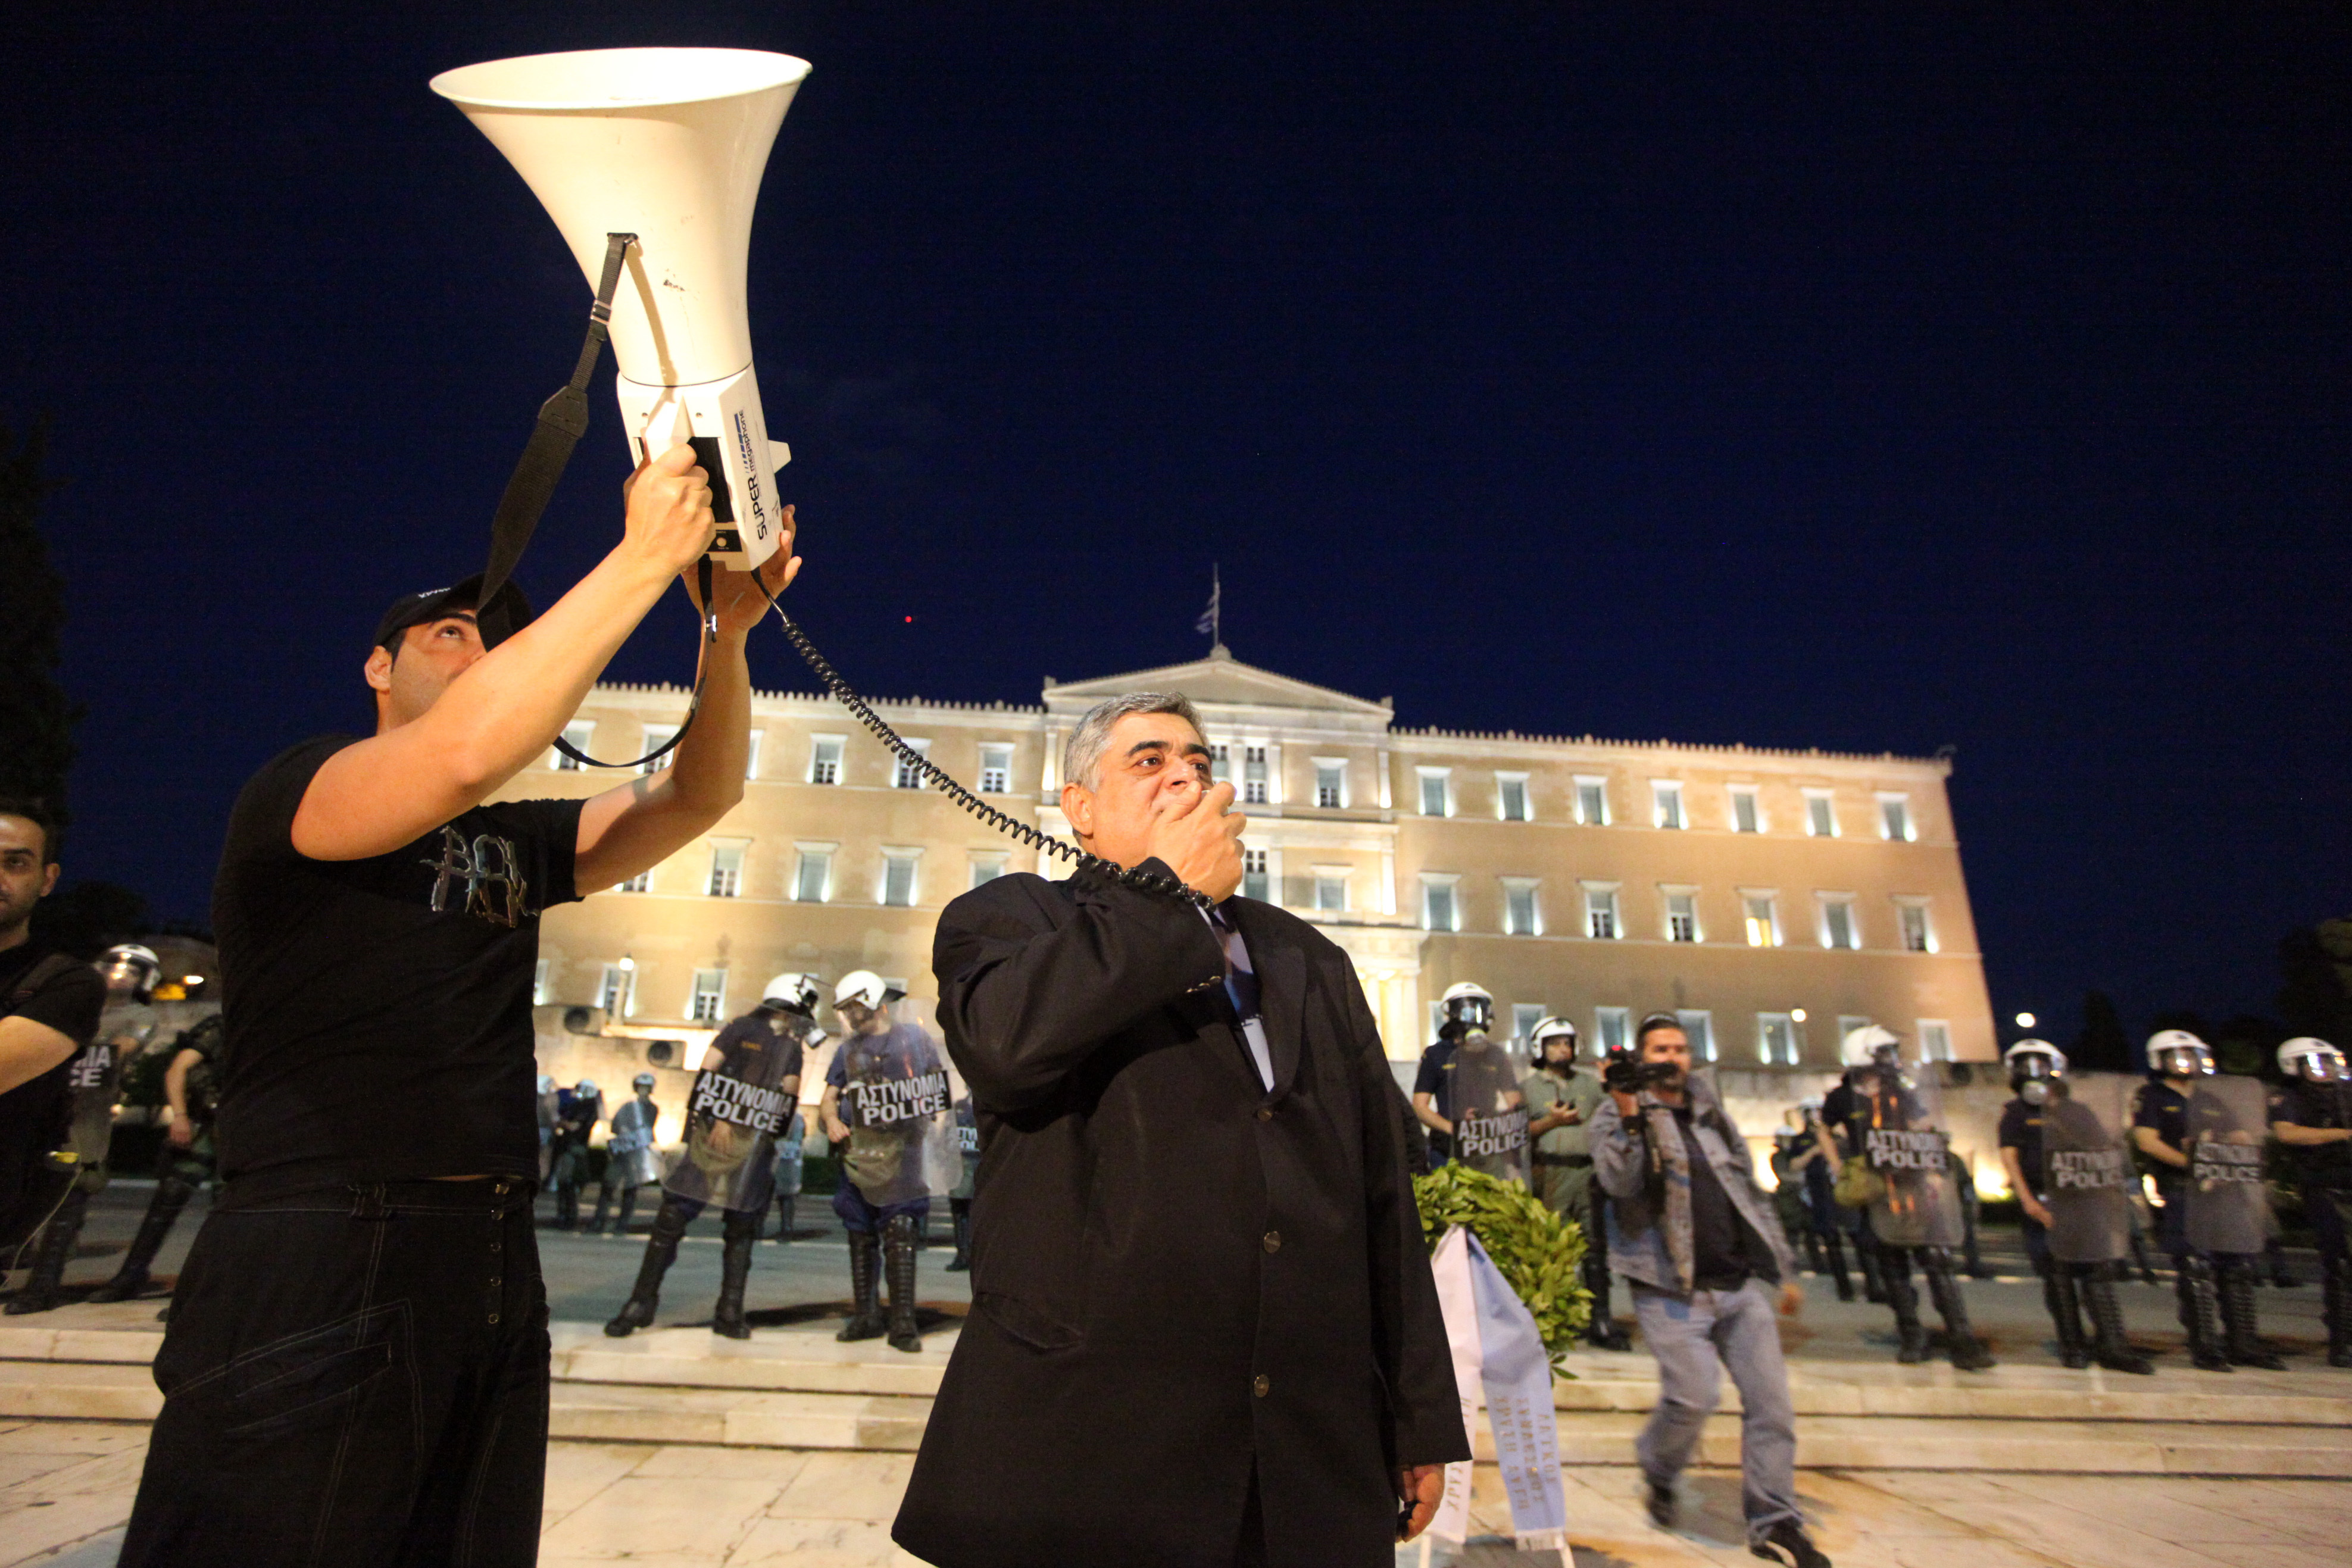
<point>1539,1253</point>
<point>2102,1047</point>
<point>2316,981</point>
<point>36,720</point>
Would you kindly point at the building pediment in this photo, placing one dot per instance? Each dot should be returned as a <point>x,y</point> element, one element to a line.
<point>1220,680</point>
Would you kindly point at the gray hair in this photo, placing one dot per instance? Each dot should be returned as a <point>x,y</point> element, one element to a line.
<point>1082,754</point>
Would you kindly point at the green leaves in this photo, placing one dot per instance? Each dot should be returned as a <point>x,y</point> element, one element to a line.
<point>1538,1252</point>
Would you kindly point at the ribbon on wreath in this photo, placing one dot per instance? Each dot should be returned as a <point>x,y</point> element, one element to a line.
<point>1498,1352</point>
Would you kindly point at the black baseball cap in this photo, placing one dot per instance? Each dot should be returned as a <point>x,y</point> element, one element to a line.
<point>422,609</point>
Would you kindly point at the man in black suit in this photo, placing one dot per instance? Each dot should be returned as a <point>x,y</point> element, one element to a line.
<point>1204,1329</point>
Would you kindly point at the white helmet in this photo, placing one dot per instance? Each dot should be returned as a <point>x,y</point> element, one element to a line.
<point>866,987</point>
<point>794,993</point>
<point>1552,1028</point>
<point>643,1083</point>
<point>2166,1049</point>
<point>1470,1005</point>
<point>2034,1067</point>
<point>127,962</point>
<point>2313,1060</point>
<point>546,1084</point>
<point>1862,1047</point>
<point>584,1089</point>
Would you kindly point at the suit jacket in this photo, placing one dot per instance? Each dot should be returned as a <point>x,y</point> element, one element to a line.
<point>1179,1277</point>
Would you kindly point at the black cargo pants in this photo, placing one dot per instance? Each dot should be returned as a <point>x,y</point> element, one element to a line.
<point>353,1376</point>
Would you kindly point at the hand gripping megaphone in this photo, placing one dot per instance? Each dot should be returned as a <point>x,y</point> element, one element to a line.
<point>665,147</point>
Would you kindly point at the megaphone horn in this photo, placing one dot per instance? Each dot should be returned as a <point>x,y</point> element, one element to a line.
<point>667,145</point>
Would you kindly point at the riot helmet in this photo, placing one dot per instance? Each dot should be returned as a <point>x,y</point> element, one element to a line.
<point>2312,1060</point>
<point>793,993</point>
<point>1552,1028</point>
<point>546,1084</point>
<point>866,988</point>
<point>2034,1067</point>
<point>1873,1045</point>
<point>127,966</point>
<point>1468,1009</point>
<point>643,1083</point>
<point>2177,1053</point>
<point>584,1089</point>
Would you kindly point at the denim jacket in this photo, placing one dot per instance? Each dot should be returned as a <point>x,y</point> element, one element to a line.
<point>1648,1212</point>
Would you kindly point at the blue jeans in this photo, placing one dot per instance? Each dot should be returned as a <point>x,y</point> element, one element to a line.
<point>1694,1339</point>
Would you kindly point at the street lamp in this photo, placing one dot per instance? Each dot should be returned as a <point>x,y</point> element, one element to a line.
<point>2025,1020</point>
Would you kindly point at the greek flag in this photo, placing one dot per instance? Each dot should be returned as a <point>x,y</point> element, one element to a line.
<point>1207,624</point>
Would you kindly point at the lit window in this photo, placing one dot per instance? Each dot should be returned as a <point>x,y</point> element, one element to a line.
<point>617,995</point>
<point>1700,1027</point>
<point>824,760</point>
<point>576,735</point>
<point>1917,936</point>
<point>1776,1040</point>
<point>1821,814</point>
<point>1592,802</point>
<point>1519,906</point>
<point>1666,804</point>
<point>1934,1040</point>
<point>1746,815</point>
<point>1682,916</point>
<point>1221,762</point>
<point>1254,874</point>
<point>905,774</point>
<point>1331,784</point>
<point>710,995</point>
<point>1435,798</point>
<point>1254,775</point>
<point>1438,912</point>
<point>813,879</point>
<point>1600,913</point>
<point>899,881</point>
<point>657,737</point>
<point>986,869</point>
<point>1763,919</point>
<point>1838,927</point>
<point>643,882</point>
<point>751,754</point>
<point>995,770</point>
<point>726,871</point>
<point>1330,890</point>
<point>1511,790</point>
<point>539,984</point>
<point>1525,1016</point>
<point>1613,1028</point>
<point>1895,817</point>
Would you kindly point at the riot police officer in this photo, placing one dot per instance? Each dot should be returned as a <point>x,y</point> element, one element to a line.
<point>130,973</point>
<point>192,1089</point>
<point>631,1160</point>
<point>2312,1116</point>
<point>578,1110</point>
<point>1810,1156</point>
<point>1895,1125</point>
<point>2204,1134</point>
<point>1561,1103</point>
<point>1466,1007</point>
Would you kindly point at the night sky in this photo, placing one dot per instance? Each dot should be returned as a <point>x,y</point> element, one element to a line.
<point>1874,378</point>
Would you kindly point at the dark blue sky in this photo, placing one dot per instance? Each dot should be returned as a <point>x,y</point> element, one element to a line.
<point>1869,378</point>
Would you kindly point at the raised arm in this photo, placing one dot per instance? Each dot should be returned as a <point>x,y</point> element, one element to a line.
<point>507,707</point>
<point>1024,1002</point>
<point>1621,1156</point>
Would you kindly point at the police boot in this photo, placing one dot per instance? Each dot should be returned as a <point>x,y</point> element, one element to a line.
<point>2059,1294</point>
<point>961,1209</point>
<point>661,1251</point>
<point>785,1204</point>
<point>172,1195</point>
<point>2239,1342</point>
<point>898,1260</point>
<point>1874,1275</point>
<point>1835,1245</point>
<point>2336,1308</point>
<point>2199,1312</point>
<point>865,1321</point>
<point>1911,1339</point>
<point>55,1248</point>
<point>1968,1351</point>
<point>734,1273</point>
<point>2108,1346</point>
<point>2140,1259</point>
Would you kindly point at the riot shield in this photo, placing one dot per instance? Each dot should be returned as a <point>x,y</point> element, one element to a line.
<point>1490,1109</point>
<point>737,1111</point>
<point>2087,1173</point>
<point>1903,1136</point>
<point>898,1094</point>
<point>123,1030</point>
<point>631,1160</point>
<point>2229,1126</point>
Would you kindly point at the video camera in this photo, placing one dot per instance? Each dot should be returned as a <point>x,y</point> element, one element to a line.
<point>1624,1073</point>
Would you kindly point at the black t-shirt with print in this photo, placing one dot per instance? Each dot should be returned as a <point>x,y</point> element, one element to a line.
<point>378,1011</point>
<point>35,1115</point>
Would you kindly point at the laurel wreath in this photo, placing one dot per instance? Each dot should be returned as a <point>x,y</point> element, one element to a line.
<point>1539,1253</point>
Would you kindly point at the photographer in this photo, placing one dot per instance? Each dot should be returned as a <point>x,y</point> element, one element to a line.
<point>1690,1228</point>
<point>357,1365</point>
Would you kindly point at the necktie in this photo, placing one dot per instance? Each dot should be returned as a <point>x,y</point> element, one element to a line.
<point>1241,979</point>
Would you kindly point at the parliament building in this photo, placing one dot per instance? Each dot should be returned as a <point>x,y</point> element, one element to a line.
<point>1774,898</point>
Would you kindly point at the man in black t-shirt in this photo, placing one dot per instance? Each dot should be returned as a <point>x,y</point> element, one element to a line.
<point>49,1009</point>
<point>357,1365</point>
<point>2312,1116</point>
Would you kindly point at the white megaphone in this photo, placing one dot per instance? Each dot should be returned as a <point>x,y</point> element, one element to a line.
<point>667,145</point>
